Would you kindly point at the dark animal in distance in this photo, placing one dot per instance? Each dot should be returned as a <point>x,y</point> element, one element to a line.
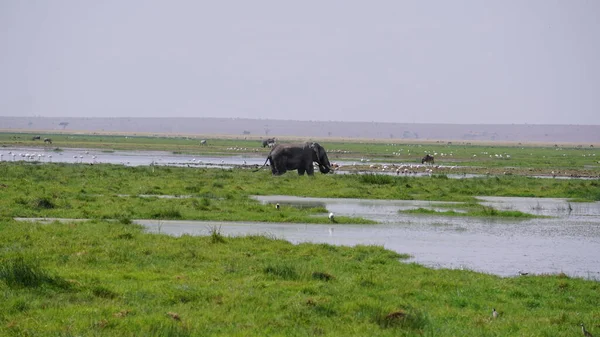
<point>48,140</point>
<point>270,142</point>
<point>36,138</point>
<point>428,159</point>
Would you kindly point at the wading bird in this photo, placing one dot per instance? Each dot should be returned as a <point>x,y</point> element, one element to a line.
<point>585,332</point>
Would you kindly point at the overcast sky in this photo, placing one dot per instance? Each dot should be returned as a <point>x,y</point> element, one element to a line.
<point>421,61</point>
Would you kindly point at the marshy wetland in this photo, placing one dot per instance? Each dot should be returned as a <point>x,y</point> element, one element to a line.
<point>259,270</point>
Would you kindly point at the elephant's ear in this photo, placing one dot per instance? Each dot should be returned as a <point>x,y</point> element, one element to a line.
<point>316,152</point>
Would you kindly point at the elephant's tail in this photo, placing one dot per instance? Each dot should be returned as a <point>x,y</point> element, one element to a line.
<point>263,165</point>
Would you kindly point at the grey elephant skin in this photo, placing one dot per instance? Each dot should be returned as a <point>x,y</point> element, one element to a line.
<point>288,157</point>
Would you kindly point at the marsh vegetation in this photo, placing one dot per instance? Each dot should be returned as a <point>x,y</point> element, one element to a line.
<point>107,277</point>
<point>566,160</point>
<point>112,279</point>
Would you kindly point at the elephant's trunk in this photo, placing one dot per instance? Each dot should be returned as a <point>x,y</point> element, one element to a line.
<point>324,165</point>
<point>324,169</point>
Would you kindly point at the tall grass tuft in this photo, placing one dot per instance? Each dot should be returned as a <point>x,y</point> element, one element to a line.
<point>215,234</point>
<point>167,330</point>
<point>413,319</point>
<point>19,273</point>
<point>319,275</point>
<point>376,179</point>
<point>283,271</point>
<point>43,203</point>
<point>103,292</point>
<point>170,213</point>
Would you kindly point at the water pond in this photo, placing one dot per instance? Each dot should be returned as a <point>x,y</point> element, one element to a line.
<point>567,242</point>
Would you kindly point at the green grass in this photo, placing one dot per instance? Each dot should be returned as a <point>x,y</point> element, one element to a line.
<point>19,273</point>
<point>484,211</point>
<point>121,281</point>
<point>470,209</point>
<point>110,278</point>
<point>115,192</point>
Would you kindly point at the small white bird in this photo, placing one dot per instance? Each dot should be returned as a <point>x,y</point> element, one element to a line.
<point>331,217</point>
<point>522,273</point>
<point>277,205</point>
<point>494,313</point>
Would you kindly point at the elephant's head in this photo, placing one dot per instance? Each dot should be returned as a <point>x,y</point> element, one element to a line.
<point>320,156</point>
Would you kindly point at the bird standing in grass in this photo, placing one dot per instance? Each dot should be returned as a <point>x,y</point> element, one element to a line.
<point>331,217</point>
<point>494,313</point>
<point>277,205</point>
<point>585,332</point>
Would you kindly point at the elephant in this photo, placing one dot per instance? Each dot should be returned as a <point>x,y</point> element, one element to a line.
<point>284,157</point>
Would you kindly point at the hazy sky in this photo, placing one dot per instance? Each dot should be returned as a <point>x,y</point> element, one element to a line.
<point>421,61</point>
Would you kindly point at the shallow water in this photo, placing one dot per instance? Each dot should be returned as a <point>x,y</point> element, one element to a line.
<point>128,158</point>
<point>565,243</point>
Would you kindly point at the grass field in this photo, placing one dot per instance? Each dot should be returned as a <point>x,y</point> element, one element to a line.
<point>115,192</point>
<point>110,278</point>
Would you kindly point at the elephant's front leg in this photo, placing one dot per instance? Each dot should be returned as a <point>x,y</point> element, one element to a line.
<point>310,169</point>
